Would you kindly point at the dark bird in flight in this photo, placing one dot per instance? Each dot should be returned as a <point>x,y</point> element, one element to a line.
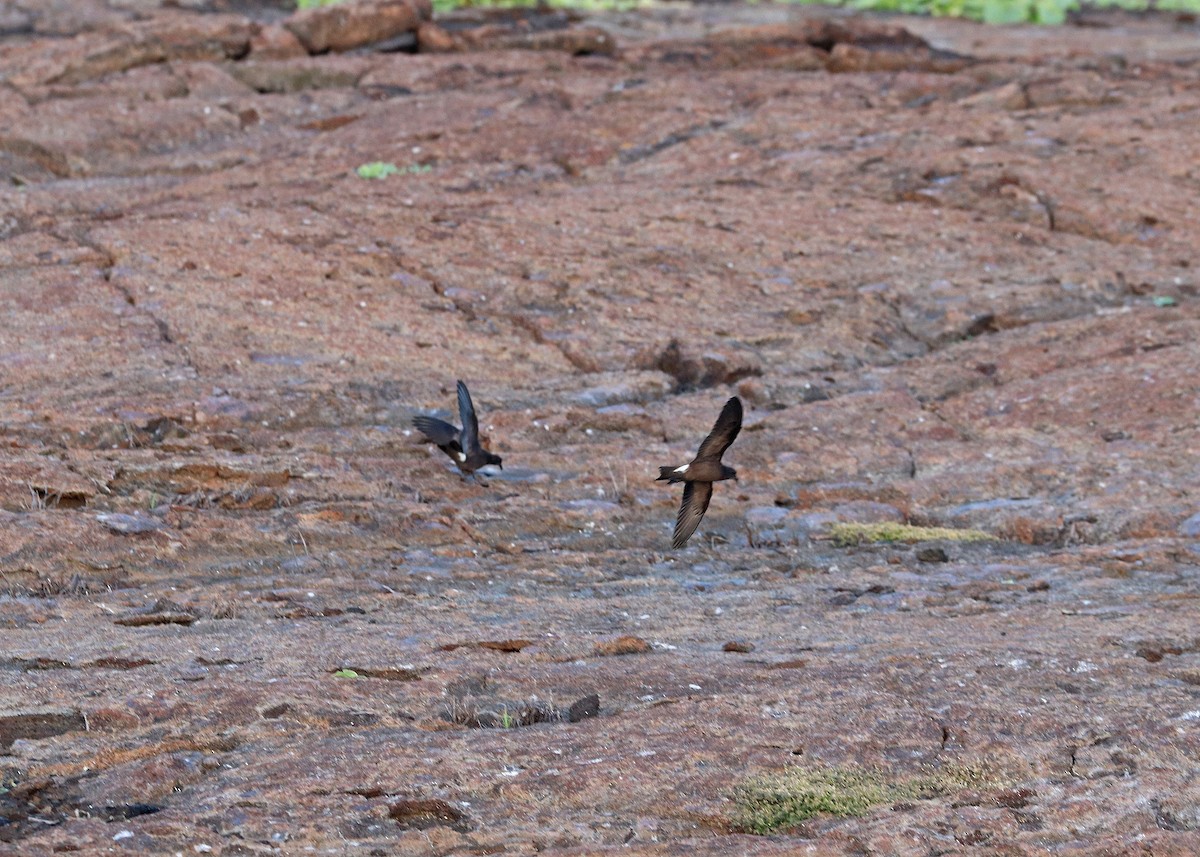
<point>462,445</point>
<point>703,470</point>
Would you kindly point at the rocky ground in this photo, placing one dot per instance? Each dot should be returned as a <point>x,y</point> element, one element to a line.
<point>950,269</point>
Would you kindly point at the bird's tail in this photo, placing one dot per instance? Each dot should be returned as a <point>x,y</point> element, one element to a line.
<point>670,474</point>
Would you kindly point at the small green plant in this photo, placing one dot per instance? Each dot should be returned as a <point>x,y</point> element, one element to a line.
<point>848,535</point>
<point>382,169</point>
<point>1164,301</point>
<point>345,673</point>
<point>784,800</point>
<point>506,720</point>
<point>313,4</point>
<point>377,170</point>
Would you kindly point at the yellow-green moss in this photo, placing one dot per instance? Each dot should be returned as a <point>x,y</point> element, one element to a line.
<point>780,801</point>
<point>846,535</point>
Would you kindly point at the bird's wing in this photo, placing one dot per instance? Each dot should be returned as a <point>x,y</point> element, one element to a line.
<point>466,411</point>
<point>695,503</point>
<point>724,431</point>
<point>441,433</point>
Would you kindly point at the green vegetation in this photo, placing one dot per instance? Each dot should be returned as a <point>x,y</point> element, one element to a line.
<point>345,673</point>
<point>313,4</point>
<point>848,535</point>
<point>988,11</point>
<point>381,170</point>
<point>377,170</point>
<point>781,801</point>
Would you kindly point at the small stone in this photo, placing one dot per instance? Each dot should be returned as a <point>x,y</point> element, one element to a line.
<point>627,645</point>
<point>432,39</point>
<point>754,392</point>
<point>693,371</point>
<point>932,554</point>
<point>426,813</point>
<point>296,75</point>
<point>162,612</point>
<point>1087,90</point>
<point>143,620</point>
<point>738,646</point>
<point>344,26</point>
<point>794,664</point>
<point>275,42</point>
<point>1010,96</point>
<point>129,525</point>
<point>845,57</point>
<point>204,80</point>
<point>1190,528</point>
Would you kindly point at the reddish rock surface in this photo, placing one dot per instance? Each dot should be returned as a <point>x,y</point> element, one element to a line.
<point>950,269</point>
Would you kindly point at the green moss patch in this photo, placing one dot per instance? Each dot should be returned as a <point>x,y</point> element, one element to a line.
<point>784,800</point>
<point>848,535</point>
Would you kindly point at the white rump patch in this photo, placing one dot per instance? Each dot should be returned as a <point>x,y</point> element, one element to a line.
<point>682,469</point>
<point>462,456</point>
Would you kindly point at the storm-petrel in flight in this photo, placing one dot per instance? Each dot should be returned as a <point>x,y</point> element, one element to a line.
<point>462,445</point>
<point>703,470</point>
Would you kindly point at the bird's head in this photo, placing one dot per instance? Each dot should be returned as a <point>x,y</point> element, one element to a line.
<point>728,472</point>
<point>492,458</point>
